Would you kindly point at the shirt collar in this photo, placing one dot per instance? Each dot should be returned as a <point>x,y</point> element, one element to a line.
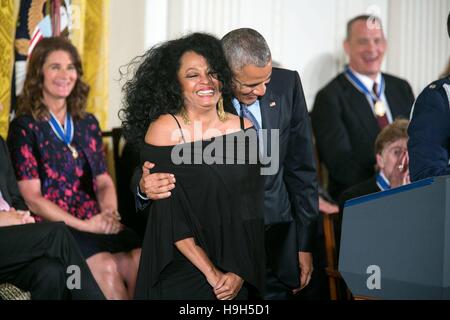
<point>367,81</point>
<point>237,105</point>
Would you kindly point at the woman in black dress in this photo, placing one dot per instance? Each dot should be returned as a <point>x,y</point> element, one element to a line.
<point>207,240</point>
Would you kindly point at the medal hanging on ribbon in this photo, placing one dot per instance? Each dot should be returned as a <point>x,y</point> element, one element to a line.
<point>378,108</point>
<point>73,150</point>
<point>64,134</point>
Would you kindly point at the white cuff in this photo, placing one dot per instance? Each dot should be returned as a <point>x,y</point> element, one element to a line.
<point>143,197</point>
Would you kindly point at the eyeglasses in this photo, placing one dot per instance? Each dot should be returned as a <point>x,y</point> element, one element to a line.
<point>249,88</point>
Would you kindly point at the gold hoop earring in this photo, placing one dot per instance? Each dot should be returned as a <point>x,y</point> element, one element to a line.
<point>220,110</point>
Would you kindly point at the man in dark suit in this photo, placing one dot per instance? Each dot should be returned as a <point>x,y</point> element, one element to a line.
<point>273,100</point>
<point>351,110</point>
<point>36,257</point>
<point>429,143</point>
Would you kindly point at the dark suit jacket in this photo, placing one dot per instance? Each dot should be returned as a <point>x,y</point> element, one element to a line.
<point>291,201</point>
<point>429,132</point>
<point>361,189</point>
<point>345,128</point>
<point>8,183</point>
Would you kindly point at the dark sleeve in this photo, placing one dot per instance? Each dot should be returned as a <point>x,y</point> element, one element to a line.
<point>410,94</point>
<point>169,221</point>
<point>95,147</point>
<point>174,218</point>
<point>348,194</point>
<point>23,147</point>
<point>140,203</point>
<point>333,139</point>
<point>17,201</point>
<point>300,170</point>
<point>429,135</point>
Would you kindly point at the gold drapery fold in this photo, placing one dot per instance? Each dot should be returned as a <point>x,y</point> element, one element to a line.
<point>90,36</point>
<point>9,10</point>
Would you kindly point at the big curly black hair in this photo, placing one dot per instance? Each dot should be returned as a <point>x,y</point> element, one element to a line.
<point>154,89</point>
<point>448,24</point>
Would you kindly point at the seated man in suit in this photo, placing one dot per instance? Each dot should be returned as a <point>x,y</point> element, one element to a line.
<point>351,110</point>
<point>37,257</point>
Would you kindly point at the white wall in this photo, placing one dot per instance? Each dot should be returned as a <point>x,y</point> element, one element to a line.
<point>304,35</point>
<point>419,48</point>
<point>127,39</point>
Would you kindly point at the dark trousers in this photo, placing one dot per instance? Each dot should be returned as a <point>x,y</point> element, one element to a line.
<point>275,289</point>
<point>36,257</point>
<point>317,288</point>
<point>282,271</point>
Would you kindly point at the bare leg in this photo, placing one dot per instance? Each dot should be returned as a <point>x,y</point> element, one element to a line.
<point>128,263</point>
<point>104,268</point>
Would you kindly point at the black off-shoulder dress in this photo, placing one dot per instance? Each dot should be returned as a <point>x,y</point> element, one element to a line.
<point>217,200</point>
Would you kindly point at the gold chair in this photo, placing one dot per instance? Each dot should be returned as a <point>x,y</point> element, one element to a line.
<point>11,292</point>
<point>338,289</point>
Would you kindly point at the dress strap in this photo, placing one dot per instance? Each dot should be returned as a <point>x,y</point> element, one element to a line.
<point>179,127</point>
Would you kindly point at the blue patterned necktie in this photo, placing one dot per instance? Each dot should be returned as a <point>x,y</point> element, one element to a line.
<point>249,115</point>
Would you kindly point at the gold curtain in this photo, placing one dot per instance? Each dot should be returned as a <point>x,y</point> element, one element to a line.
<point>90,36</point>
<point>8,18</point>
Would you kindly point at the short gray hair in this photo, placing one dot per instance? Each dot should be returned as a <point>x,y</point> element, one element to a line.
<point>244,47</point>
<point>363,17</point>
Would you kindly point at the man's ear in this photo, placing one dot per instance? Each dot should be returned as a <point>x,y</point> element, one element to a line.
<point>380,161</point>
<point>346,46</point>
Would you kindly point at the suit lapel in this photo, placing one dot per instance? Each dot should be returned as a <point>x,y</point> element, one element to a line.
<point>269,105</point>
<point>360,106</point>
<point>270,115</point>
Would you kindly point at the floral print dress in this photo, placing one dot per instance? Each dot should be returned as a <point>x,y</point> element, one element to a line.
<point>37,153</point>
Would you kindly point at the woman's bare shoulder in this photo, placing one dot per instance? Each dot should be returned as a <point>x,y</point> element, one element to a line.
<point>235,121</point>
<point>163,131</point>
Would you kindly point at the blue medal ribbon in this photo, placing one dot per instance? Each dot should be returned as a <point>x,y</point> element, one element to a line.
<point>64,134</point>
<point>359,85</point>
<point>382,182</point>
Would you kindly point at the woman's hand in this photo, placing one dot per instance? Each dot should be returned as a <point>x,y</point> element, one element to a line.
<point>14,218</point>
<point>228,286</point>
<point>103,223</point>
